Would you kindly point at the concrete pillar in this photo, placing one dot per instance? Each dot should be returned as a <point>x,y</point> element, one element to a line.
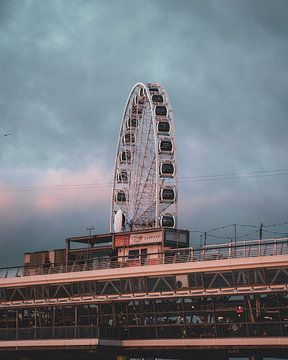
<point>256,357</point>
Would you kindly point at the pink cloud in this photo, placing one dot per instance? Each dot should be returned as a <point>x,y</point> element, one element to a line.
<point>73,191</point>
<point>57,191</point>
<point>6,201</point>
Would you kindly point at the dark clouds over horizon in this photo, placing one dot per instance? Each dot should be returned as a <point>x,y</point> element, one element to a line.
<point>67,68</point>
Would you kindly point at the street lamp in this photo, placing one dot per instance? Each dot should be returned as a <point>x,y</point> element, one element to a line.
<point>90,229</point>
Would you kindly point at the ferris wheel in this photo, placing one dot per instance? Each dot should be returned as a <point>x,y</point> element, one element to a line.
<point>144,194</point>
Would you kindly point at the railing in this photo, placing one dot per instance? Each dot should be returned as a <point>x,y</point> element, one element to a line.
<point>157,331</point>
<point>63,332</point>
<point>245,249</point>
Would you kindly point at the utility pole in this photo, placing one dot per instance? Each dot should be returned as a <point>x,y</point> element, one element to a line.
<point>261,231</point>
<point>235,235</point>
<point>205,238</point>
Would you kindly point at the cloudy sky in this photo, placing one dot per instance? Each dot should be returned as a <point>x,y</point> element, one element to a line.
<point>66,69</point>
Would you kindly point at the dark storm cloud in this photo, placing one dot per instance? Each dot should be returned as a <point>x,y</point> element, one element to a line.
<point>66,70</point>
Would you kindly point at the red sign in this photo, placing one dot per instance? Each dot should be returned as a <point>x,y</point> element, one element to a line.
<point>146,238</point>
<point>121,240</point>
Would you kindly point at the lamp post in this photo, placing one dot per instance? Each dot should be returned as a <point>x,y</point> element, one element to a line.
<point>90,229</point>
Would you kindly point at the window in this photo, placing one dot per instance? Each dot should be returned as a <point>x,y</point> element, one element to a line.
<point>133,254</point>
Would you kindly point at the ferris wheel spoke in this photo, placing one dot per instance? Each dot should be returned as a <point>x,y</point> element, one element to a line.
<point>152,204</point>
<point>142,139</point>
<point>144,186</point>
<point>137,157</point>
<point>138,177</point>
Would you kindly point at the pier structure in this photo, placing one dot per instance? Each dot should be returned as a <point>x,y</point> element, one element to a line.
<point>148,292</point>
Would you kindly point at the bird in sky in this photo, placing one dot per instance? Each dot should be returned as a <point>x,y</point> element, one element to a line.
<point>7,134</point>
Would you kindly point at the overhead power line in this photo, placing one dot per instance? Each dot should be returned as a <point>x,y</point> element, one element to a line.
<point>236,236</point>
<point>275,232</point>
<point>240,175</point>
<point>273,225</point>
<point>199,178</point>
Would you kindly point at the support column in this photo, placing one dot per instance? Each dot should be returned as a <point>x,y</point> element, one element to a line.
<point>256,357</point>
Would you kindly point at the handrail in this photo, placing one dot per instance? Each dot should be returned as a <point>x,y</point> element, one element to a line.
<point>244,249</point>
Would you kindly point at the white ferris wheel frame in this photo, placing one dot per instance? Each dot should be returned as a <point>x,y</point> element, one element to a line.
<point>157,138</point>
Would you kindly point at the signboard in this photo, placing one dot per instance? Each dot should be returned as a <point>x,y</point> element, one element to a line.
<point>123,240</point>
<point>146,238</point>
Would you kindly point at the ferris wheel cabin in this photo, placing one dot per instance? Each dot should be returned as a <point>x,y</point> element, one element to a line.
<point>167,169</point>
<point>163,127</point>
<point>122,176</point>
<point>166,146</point>
<point>157,99</point>
<point>131,123</point>
<point>160,110</point>
<point>125,156</point>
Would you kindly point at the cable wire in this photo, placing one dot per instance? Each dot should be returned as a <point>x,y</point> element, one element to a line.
<point>215,177</point>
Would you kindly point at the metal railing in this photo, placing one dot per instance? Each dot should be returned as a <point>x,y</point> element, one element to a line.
<point>155,331</point>
<point>52,332</point>
<point>245,249</point>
